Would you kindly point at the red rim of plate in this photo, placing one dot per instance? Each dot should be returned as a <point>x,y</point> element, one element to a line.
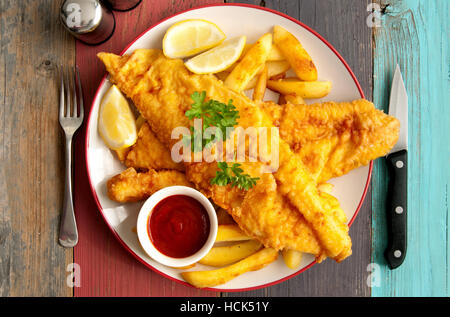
<point>87,145</point>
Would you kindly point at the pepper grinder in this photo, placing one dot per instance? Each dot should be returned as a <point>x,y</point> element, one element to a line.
<point>88,20</point>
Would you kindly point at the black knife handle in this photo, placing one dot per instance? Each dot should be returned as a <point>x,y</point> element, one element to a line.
<point>397,208</point>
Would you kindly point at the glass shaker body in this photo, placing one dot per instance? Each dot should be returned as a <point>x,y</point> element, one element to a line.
<point>88,20</point>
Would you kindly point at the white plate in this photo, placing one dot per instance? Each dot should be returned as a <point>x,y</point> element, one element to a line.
<point>234,20</point>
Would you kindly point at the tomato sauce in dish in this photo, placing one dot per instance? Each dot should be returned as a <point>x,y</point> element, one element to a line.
<point>178,226</point>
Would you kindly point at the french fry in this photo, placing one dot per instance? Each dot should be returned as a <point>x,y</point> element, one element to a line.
<point>216,277</point>
<point>294,99</point>
<point>223,217</point>
<point>260,88</point>
<point>304,89</point>
<point>278,77</point>
<point>246,49</point>
<point>230,68</point>
<point>292,258</point>
<point>274,55</point>
<point>230,233</point>
<point>252,83</point>
<point>295,54</point>
<point>275,68</point>
<point>250,64</point>
<point>225,255</point>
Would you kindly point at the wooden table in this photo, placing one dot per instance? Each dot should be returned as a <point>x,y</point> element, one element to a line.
<point>33,44</point>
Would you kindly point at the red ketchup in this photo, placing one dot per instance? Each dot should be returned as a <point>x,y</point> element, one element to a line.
<point>178,226</point>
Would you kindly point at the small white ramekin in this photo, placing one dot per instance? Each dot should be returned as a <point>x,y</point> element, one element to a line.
<point>143,218</point>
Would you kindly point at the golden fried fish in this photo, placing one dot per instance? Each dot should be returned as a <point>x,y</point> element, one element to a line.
<point>161,89</point>
<point>133,186</point>
<point>333,138</point>
<point>149,153</point>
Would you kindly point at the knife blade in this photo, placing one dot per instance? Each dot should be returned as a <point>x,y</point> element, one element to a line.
<point>397,161</point>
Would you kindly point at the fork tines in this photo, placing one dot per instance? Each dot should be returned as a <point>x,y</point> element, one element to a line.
<point>71,94</point>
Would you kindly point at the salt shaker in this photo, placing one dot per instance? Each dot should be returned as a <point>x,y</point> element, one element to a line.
<point>88,20</point>
<point>123,5</point>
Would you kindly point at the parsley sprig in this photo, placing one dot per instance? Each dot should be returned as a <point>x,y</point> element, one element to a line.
<point>213,114</point>
<point>233,175</point>
<point>220,116</point>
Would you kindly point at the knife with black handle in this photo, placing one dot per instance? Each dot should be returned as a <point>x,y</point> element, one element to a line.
<point>397,161</point>
<point>397,208</point>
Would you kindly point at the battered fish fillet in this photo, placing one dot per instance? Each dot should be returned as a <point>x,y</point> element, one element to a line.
<point>334,138</point>
<point>149,153</point>
<point>161,89</point>
<point>325,148</point>
<point>281,222</point>
<point>132,186</point>
<point>261,212</point>
<point>331,138</point>
<point>377,131</point>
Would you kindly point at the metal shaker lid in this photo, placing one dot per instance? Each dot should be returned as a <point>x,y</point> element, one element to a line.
<point>81,16</point>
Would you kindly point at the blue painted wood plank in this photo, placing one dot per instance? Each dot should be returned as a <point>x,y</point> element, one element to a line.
<point>415,35</point>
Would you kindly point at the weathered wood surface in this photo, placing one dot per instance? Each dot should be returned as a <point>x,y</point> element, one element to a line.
<point>106,268</point>
<point>415,35</point>
<point>32,44</point>
<point>343,24</point>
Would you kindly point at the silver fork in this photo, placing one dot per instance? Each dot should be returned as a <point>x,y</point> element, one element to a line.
<point>70,119</point>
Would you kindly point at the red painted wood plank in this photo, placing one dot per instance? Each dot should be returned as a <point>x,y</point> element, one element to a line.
<point>107,269</point>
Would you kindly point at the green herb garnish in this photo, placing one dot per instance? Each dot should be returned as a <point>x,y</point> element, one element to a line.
<point>220,116</point>
<point>213,114</point>
<point>233,175</point>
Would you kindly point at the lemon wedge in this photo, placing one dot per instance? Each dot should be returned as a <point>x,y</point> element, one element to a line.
<point>218,58</point>
<point>190,37</point>
<point>116,123</point>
